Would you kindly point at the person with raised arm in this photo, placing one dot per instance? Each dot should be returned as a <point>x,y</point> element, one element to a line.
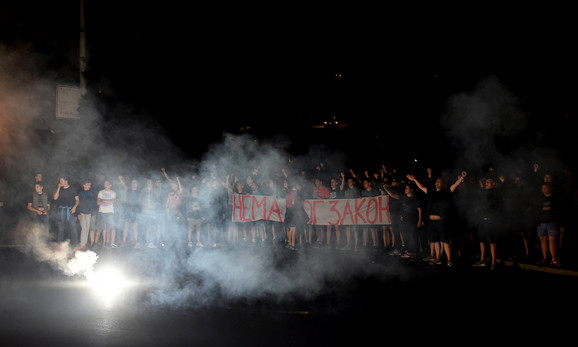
<point>439,210</point>
<point>410,218</point>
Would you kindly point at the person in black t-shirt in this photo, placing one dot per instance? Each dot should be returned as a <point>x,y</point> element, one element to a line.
<point>488,211</point>
<point>66,202</point>
<point>410,218</point>
<point>439,211</point>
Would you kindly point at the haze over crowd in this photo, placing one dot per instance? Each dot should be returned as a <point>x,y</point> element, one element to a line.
<point>477,122</point>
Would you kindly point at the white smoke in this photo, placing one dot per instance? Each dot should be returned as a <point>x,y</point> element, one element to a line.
<point>60,255</point>
<point>99,147</point>
<point>219,276</point>
<point>478,121</point>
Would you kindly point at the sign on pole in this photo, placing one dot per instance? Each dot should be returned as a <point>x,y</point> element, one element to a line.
<point>67,100</point>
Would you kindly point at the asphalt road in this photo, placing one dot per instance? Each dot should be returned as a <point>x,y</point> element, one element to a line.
<point>277,297</point>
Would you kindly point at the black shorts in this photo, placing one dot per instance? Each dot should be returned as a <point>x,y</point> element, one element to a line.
<point>439,230</point>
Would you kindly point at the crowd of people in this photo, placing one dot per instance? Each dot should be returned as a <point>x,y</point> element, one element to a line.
<point>484,217</point>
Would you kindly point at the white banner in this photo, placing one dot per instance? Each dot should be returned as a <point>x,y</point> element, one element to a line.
<point>249,208</point>
<point>361,211</point>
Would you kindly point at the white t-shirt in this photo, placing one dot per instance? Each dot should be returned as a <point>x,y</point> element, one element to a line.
<point>106,195</point>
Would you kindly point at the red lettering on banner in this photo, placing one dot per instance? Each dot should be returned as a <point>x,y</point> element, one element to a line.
<point>313,210</point>
<point>244,208</point>
<point>347,212</point>
<point>358,208</point>
<point>374,201</point>
<point>333,204</point>
<point>255,205</point>
<point>236,207</point>
<point>367,210</point>
<point>386,209</point>
<point>275,209</point>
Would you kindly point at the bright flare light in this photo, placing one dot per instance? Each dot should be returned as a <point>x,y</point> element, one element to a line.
<point>108,284</point>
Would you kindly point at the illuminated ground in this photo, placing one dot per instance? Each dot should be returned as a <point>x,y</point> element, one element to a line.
<point>378,297</point>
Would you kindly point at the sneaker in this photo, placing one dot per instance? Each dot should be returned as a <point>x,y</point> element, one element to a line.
<point>555,262</point>
<point>190,244</point>
<point>137,246</point>
<point>395,252</point>
<point>450,263</point>
<point>435,261</point>
<point>113,245</point>
<point>199,244</point>
<point>542,261</point>
<point>429,258</point>
<point>479,263</point>
<point>407,255</point>
<point>151,245</point>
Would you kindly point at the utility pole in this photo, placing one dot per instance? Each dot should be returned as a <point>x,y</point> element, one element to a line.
<point>82,47</point>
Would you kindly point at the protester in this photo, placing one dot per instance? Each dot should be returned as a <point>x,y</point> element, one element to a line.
<point>39,206</point>
<point>66,203</point>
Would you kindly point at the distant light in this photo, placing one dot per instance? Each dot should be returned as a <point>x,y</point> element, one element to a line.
<point>415,160</point>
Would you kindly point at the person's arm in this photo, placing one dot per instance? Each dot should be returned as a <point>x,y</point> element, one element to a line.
<point>390,193</point>
<point>460,180</point>
<point>228,185</point>
<point>342,185</point>
<point>166,175</point>
<point>419,218</point>
<point>57,193</point>
<point>101,201</point>
<point>417,183</point>
<point>121,179</point>
<point>33,209</point>
<point>76,201</point>
<point>356,177</point>
<point>384,169</point>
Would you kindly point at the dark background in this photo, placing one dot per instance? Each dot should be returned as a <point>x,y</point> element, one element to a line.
<point>385,74</point>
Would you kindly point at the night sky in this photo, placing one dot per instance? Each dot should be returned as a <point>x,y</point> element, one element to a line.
<point>386,78</point>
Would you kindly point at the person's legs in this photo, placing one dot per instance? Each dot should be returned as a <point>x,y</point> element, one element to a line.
<point>84,220</point>
<point>61,226</point>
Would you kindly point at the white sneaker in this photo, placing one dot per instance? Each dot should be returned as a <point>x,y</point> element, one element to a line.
<point>113,245</point>
<point>137,245</point>
<point>199,244</point>
<point>190,244</point>
<point>151,245</point>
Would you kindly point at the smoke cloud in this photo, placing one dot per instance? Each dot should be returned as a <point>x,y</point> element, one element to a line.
<point>484,125</point>
<point>102,147</point>
<point>488,126</point>
<point>61,256</point>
